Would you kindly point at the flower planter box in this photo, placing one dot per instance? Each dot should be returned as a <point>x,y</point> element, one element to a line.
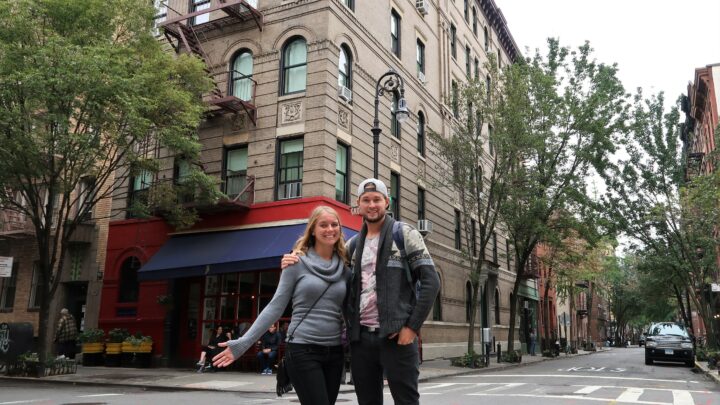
<point>92,354</point>
<point>113,354</point>
<point>30,368</point>
<point>136,355</point>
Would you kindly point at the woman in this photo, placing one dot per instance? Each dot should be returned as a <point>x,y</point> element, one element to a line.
<point>212,347</point>
<point>313,345</point>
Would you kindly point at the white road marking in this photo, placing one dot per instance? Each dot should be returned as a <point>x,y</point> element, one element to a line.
<point>646,388</point>
<point>588,389</point>
<point>681,397</point>
<point>578,397</point>
<point>630,395</point>
<point>98,395</point>
<point>217,384</point>
<point>505,386</point>
<point>570,376</point>
<point>26,401</point>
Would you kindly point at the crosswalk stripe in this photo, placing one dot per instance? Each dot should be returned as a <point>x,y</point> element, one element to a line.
<point>505,386</point>
<point>578,397</point>
<point>630,395</point>
<point>681,397</point>
<point>588,389</point>
<point>598,377</point>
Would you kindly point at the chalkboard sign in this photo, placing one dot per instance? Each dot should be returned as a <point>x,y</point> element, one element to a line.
<point>15,339</point>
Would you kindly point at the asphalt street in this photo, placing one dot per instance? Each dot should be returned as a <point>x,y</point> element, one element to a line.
<point>618,376</point>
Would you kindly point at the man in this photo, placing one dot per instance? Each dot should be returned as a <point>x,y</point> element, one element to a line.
<point>66,335</point>
<point>267,354</point>
<point>384,310</point>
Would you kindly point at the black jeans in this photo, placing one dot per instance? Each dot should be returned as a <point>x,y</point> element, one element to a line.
<point>315,372</point>
<point>373,354</point>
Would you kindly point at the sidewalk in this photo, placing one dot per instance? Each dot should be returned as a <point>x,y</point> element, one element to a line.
<point>187,379</point>
<point>713,374</point>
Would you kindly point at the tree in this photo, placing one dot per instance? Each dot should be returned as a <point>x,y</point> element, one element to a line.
<point>562,116</point>
<point>671,215</point>
<point>85,89</point>
<point>472,170</point>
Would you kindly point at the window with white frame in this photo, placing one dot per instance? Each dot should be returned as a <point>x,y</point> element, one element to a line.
<point>290,169</point>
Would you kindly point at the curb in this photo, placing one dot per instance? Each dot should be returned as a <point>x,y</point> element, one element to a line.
<point>713,374</point>
<point>165,388</point>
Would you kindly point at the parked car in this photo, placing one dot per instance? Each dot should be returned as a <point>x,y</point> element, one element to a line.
<point>669,341</point>
<point>641,341</point>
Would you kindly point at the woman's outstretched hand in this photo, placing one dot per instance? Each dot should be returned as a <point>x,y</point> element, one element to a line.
<point>224,358</point>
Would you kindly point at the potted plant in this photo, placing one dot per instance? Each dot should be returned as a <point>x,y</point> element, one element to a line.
<point>92,346</point>
<point>136,350</point>
<point>113,346</point>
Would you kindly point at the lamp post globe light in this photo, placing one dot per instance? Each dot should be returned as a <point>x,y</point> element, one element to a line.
<point>391,82</point>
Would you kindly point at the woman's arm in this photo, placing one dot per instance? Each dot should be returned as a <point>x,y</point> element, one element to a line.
<point>270,314</point>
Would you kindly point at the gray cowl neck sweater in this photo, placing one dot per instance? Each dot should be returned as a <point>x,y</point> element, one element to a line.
<point>303,283</point>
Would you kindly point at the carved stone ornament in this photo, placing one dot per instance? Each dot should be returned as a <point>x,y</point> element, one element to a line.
<point>344,119</point>
<point>421,170</point>
<point>395,152</point>
<point>239,122</point>
<point>291,112</point>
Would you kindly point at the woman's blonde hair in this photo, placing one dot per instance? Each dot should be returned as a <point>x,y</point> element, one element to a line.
<point>307,240</point>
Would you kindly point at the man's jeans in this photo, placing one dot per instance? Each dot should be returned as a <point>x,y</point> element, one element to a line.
<point>315,372</point>
<point>265,360</point>
<point>373,354</point>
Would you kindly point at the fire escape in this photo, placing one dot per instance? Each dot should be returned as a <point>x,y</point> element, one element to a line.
<point>184,33</point>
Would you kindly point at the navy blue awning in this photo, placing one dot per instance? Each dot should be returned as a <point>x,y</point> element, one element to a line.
<point>223,252</point>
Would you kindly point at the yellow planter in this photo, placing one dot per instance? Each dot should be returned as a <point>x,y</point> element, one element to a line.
<point>141,348</point>
<point>113,348</point>
<point>93,347</point>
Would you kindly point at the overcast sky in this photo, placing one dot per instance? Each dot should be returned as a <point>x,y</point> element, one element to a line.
<point>657,44</point>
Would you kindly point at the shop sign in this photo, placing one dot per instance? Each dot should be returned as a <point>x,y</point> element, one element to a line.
<point>6,264</point>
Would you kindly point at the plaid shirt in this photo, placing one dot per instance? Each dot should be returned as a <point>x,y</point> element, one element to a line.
<point>66,330</point>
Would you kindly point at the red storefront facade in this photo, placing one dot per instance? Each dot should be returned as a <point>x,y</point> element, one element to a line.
<point>145,288</point>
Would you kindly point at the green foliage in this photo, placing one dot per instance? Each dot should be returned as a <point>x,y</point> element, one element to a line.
<point>118,335</point>
<point>86,91</point>
<point>563,116</point>
<point>512,356</point>
<point>91,336</point>
<point>138,338</point>
<point>471,360</point>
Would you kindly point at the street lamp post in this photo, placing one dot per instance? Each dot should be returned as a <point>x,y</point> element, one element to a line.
<point>390,81</point>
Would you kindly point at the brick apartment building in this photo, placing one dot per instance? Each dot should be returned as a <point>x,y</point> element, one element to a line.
<point>698,135</point>
<point>288,128</point>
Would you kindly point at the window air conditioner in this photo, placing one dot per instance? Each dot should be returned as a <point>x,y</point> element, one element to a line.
<point>421,77</point>
<point>345,93</point>
<point>424,226</point>
<point>421,6</point>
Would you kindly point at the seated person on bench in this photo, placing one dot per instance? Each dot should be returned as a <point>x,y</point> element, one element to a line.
<point>268,350</point>
<point>212,347</point>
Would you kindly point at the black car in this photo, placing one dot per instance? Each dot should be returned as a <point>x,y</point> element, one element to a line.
<point>669,341</point>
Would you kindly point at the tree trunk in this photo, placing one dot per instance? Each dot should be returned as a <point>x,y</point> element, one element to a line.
<point>589,312</point>
<point>513,312</point>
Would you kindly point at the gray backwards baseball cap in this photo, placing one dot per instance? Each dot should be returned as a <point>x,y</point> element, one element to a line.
<point>372,185</point>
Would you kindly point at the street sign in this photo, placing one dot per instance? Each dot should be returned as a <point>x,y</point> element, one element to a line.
<point>6,264</point>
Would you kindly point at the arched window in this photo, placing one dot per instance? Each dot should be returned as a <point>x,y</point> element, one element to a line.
<point>294,66</point>
<point>241,75</point>
<point>468,301</point>
<point>437,306</point>
<point>421,133</point>
<point>345,67</point>
<point>129,286</point>
<point>497,307</point>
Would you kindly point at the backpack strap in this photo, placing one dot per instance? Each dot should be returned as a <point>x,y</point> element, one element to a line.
<point>399,239</point>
